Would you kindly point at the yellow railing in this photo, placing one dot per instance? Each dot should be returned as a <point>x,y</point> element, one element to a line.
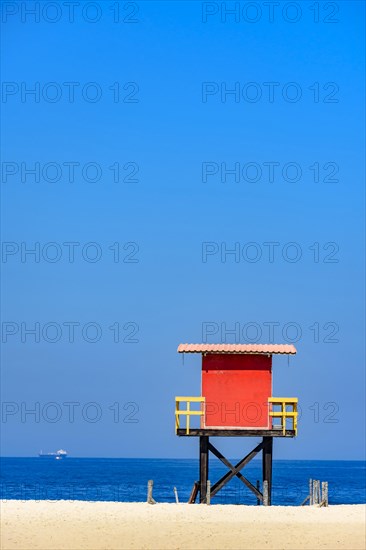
<point>284,414</point>
<point>187,412</point>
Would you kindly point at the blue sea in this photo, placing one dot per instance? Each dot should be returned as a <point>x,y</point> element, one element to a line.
<point>125,480</point>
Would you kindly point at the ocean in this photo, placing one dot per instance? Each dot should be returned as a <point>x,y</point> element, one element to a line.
<point>125,480</point>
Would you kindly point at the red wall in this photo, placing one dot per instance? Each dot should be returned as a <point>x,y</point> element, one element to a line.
<point>236,388</point>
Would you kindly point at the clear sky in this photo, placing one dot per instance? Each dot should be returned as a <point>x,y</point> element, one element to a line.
<point>131,209</point>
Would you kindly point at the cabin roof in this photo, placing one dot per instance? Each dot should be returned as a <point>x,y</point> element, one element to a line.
<point>287,349</point>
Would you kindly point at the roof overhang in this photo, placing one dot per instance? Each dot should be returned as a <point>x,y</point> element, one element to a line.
<point>267,349</point>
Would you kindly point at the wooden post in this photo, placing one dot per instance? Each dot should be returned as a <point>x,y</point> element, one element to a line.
<point>311,492</point>
<point>324,497</point>
<point>193,495</point>
<point>258,488</point>
<point>203,467</point>
<point>208,497</point>
<point>176,495</point>
<point>267,465</point>
<point>319,493</point>
<point>265,493</point>
<point>316,491</point>
<point>150,499</point>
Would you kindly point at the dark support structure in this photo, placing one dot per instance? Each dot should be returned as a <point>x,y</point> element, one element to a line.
<point>267,464</point>
<point>205,447</point>
<point>203,467</point>
<point>266,446</point>
<point>235,470</point>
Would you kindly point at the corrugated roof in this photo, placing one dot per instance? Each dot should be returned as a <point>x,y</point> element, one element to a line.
<point>237,348</point>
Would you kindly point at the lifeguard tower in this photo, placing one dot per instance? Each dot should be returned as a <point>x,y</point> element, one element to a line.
<point>236,401</point>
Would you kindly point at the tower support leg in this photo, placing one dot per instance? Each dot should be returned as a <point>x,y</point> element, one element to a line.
<point>267,464</point>
<point>203,467</point>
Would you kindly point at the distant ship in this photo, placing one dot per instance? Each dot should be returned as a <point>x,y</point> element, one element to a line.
<point>58,455</point>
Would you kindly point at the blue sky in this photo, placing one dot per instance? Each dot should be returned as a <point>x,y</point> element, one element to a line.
<point>161,131</point>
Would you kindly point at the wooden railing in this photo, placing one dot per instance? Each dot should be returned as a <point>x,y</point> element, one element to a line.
<point>283,413</point>
<point>187,412</point>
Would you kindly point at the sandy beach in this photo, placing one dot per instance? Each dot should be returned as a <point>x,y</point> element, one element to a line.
<point>111,525</point>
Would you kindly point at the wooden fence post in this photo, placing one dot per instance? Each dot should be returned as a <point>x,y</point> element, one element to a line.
<point>258,487</point>
<point>311,492</point>
<point>150,499</point>
<point>325,493</point>
<point>315,491</point>
<point>208,495</point>
<point>265,493</point>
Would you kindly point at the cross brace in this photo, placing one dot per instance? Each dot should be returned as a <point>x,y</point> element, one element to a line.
<point>206,447</point>
<point>235,470</point>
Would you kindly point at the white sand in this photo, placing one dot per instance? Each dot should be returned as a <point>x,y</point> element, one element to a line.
<point>111,525</point>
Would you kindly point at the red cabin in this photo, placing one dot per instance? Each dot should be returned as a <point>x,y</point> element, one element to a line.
<point>236,388</point>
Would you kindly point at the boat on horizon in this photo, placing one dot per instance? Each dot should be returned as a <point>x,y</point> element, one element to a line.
<point>58,455</point>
